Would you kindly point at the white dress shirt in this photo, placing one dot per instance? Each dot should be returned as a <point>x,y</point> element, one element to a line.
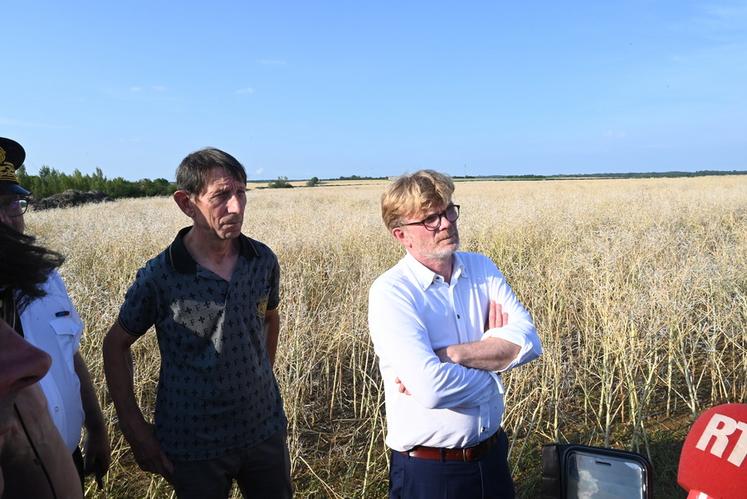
<point>412,312</point>
<point>52,324</point>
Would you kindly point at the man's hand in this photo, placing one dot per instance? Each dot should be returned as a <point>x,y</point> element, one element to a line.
<point>401,386</point>
<point>496,318</point>
<point>96,455</point>
<point>96,451</point>
<point>148,453</point>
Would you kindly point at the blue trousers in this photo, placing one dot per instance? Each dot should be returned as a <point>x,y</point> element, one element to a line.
<point>487,478</point>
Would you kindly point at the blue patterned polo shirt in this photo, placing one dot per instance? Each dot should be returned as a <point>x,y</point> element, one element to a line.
<point>216,390</point>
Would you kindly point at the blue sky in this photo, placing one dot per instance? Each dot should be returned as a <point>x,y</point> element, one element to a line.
<point>324,89</point>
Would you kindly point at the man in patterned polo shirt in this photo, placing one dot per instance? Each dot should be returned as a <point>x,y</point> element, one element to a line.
<point>212,296</point>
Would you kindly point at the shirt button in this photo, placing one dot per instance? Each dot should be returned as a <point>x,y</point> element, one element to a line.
<point>459,316</point>
<point>57,408</point>
<point>482,428</point>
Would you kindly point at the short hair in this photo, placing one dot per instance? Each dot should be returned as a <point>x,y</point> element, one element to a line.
<point>191,175</point>
<point>414,193</point>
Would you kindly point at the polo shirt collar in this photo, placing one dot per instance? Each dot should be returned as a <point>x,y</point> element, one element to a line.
<point>183,262</point>
<point>247,247</point>
<point>425,276</point>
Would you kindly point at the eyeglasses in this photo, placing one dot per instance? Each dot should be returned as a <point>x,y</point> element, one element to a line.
<point>433,222</point>
<point>14,207</point>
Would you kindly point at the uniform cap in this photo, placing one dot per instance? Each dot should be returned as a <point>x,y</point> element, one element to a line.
<point>12,156</point>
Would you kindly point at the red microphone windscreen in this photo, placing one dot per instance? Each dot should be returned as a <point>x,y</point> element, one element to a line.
<point>713,461</point>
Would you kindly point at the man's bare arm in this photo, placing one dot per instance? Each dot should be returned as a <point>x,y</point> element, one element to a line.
<point>97,454</point>
<point>272,332</point>
<point>485,354</point>
<point>490,354</point>
<point>119,378</point>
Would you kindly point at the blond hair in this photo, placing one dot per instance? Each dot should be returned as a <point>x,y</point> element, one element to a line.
<point>414,193</point>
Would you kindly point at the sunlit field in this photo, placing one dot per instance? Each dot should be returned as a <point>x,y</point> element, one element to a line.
<point>638,289</point>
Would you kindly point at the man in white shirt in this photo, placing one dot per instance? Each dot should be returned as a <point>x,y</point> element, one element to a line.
<point>443,324</point>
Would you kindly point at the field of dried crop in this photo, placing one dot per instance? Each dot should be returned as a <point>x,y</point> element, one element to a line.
<point>638,289</point>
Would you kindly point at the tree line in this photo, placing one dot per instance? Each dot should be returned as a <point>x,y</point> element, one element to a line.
<point>577,176</point>
<point>50,181</point>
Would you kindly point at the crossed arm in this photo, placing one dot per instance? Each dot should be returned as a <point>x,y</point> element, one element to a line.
<point>489,354</point>
<point>402,342</point>
<point>459,374</point>
<point>504,345</point>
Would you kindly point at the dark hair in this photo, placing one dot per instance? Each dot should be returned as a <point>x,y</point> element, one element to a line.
<point>25,266</point>
<point>193,170</point>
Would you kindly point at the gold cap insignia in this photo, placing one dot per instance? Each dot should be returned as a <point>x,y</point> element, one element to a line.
<point>8,173</point>
<point>11,158</point>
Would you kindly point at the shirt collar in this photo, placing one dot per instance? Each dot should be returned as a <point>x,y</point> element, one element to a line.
<point>425,276</point>
<point>460,270</point>
<point>183,262</point>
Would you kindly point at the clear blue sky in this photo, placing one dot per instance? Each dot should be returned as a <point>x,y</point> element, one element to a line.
<point>303,89</point>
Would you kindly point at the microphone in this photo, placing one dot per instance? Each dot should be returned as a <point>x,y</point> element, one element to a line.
<point>713,462</point>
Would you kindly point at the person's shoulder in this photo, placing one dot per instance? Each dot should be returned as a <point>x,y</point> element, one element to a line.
<point>153,268</point>
<point>159,261</point>
<point>54,280</point>
<point>470,257</point>
<point>477,261</point>
<point>54,286</point>
<point>395,277</point>
<point>257,247</point>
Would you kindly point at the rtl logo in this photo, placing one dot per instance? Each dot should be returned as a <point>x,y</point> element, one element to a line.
<point>720,430</point>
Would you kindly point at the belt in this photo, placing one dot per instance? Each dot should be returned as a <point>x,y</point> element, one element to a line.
<point>466,454</point>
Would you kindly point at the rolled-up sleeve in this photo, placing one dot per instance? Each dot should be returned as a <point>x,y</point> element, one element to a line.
<point>520,329</point>
<point>401,341</point>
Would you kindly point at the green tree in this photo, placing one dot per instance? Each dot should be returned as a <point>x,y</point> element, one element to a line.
<point>280,183</point>
<point>98,180</point>
<point>50,181</point>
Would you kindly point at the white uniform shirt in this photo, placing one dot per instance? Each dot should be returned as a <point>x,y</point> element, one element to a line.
<point>52,324</point>
<point>413,312</point>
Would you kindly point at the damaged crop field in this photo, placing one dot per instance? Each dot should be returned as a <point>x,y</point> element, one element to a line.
<point>638,289</point>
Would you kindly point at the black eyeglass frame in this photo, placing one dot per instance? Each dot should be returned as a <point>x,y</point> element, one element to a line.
<point>23,205</point>
<point>434,224</point>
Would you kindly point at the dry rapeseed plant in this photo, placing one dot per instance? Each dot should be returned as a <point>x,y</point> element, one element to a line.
<point>637,287</point>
